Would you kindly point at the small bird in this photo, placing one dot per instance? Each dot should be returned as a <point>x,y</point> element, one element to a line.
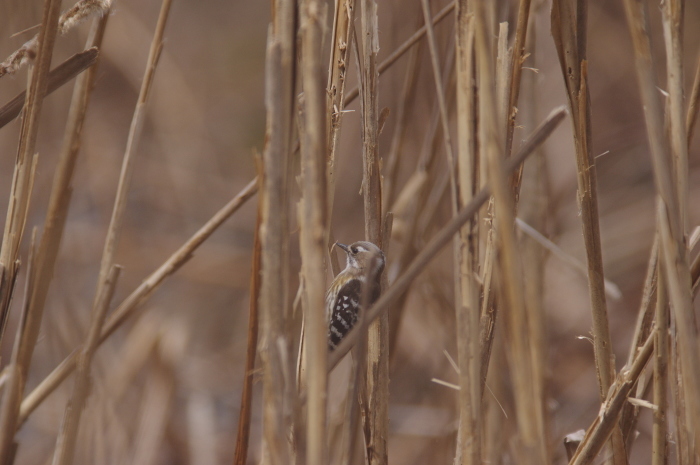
<point>365,264</point>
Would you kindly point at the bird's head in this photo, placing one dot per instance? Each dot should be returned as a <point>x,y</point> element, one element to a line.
<point>363,256</point>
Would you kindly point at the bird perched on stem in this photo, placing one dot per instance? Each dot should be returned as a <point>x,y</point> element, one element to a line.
<point>345,299</point>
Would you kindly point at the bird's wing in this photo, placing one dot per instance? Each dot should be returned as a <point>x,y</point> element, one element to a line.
<point>345,310</point>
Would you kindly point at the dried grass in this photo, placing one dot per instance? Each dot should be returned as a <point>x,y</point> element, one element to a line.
<point>449,111</point>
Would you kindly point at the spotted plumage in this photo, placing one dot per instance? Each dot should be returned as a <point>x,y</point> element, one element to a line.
<point>365,261</point>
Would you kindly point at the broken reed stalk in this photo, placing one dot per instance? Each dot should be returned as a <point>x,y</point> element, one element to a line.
<point>243,435</point>
<point>376,389</point>
<point>312,235</point>
<point>440,239</point>
<point>335,103</point>
<point>467,308</point>
<point>606,421</point>
<point>58,77</point>
<point>68,434</point>
<point>129,305</point>
<point>517,59</point>
<point>509,263</point>
<point>659,445</point>
<point>672,242</point>
<point>22,179</point>
<point>274,345</point>
<point>569,23</point>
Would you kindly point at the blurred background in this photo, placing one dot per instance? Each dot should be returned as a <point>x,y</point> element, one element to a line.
<point>205,122</point>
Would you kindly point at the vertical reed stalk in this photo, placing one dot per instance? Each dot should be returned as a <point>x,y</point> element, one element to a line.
<point>279,102</point>
<point>468,309</point>
<point>343,16</point>
<point>569,23</point>
<point>376,414</point>
<point>312,236</point>
<point>659,448</point>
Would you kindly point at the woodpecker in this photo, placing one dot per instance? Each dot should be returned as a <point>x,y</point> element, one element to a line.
<point>365,263</point>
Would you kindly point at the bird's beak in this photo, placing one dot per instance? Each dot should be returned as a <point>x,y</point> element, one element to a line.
<point>343,246</point>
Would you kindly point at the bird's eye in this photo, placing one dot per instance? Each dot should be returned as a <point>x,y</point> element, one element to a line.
<point>353,250</point>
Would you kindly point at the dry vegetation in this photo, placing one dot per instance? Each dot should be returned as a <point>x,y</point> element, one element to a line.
<point>183,168</point>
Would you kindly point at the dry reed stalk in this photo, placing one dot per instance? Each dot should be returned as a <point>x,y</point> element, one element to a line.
<point>312,235</point>
<point>16,374</point>
<point>569,23</point>
<point>531,444</point>
<point>274,343</point>
<point>58,77</point>
<point>673,39</point>
<point>494,441</point>
<point>243,435</point>
<point>533,207</point>
<point>376,388</point>
<point>135,130</point>
<point>659,455</point>
<point>442,237</point>
<point>20,192</point>
<point>503,78</point>
<point>468,307</point>
<point>693,105</point>
<point>343,17</point>
<point>516,68</point>
<point>672,243</point>
<point>685,452</point>
<point>606,421</point>
<point>68,435</point>
<point>132,302</point>
<point>567,29</point>
<point>442,105</point>
<point>401,50</point>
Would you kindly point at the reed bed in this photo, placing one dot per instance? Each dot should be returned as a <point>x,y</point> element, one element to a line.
<point>182,172</point>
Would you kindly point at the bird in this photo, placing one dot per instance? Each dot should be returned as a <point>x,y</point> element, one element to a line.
<point>344,298</point>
